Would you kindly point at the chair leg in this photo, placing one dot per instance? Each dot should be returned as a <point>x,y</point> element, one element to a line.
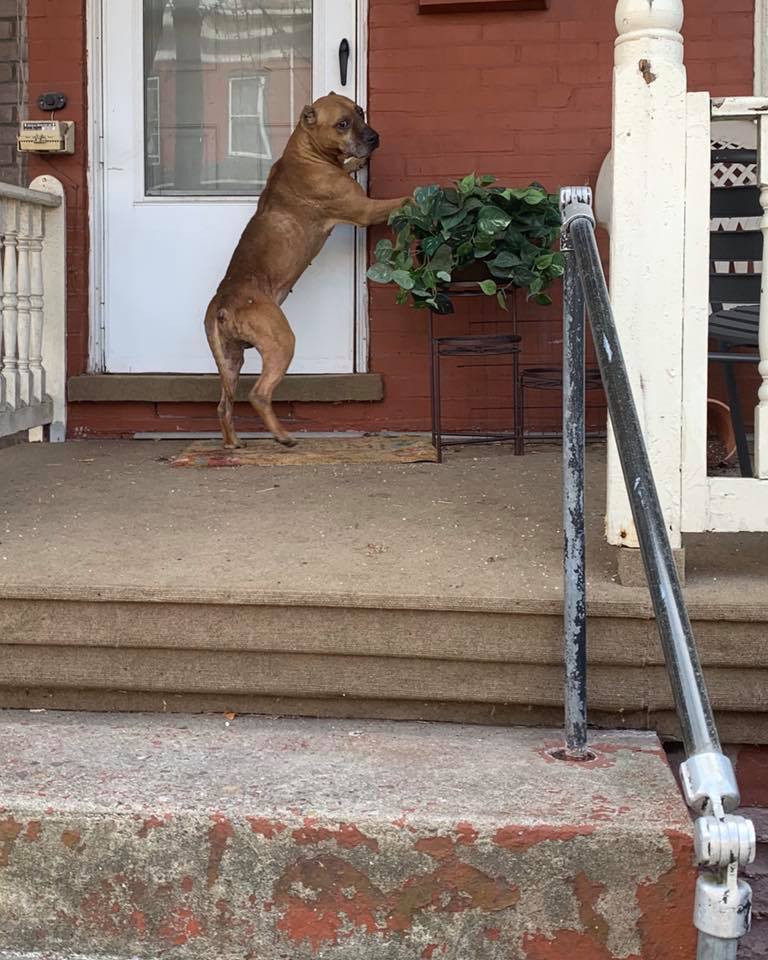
<point>437,438</point>
<point>522,419</point>
<point>516,400</point>
<point>742,447</point>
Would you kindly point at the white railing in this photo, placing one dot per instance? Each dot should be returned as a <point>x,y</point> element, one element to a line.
<point>33,309</point>
<point>717,503</point>
<point>657,186</point>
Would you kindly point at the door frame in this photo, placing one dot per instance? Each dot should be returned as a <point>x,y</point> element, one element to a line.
<point>97,196</point>
<point>761,49</point>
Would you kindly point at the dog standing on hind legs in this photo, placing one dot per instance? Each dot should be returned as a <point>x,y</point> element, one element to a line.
<point>309,190</point>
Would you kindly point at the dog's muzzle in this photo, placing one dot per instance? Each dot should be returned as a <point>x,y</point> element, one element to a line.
<point>367,143</point>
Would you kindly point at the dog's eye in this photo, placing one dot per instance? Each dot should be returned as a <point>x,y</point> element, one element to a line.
<point>342,125</point>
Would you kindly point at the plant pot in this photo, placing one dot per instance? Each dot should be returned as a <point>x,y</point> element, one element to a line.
<point>720,428</point>
<point>472,273</point>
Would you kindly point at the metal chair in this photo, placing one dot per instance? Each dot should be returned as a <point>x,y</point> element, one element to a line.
<point>550,378</point>
<point>735,297</point>
<point>479,345</point>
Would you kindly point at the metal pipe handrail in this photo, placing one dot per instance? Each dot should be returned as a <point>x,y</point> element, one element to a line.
<point>722,841</point>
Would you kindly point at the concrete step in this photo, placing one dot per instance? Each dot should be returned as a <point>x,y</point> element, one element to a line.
<point>322,654</point>
<point>207,838</point>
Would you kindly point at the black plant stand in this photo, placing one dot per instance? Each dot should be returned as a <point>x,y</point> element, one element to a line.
<point>480,345</point>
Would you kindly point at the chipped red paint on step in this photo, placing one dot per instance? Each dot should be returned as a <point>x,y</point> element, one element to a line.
<point>154,823</point>
<point>9,833</point>
<point>467,834</point>
<point>218,837</point>
<point>524,837</point>
<point>439,848</point>
<point>347,835</point>
<point>263,827</point>
<point>179,927</point>
<point>71,840</point>
<point>340,899</point>
<point>33,831</point>
<point>664,901</point>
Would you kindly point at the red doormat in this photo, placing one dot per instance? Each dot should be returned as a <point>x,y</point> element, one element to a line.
<point>402,448</point>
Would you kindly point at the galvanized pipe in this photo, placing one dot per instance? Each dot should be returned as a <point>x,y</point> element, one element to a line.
<point>683,666</point>
<point>574,551</point>
<point>714,948</point>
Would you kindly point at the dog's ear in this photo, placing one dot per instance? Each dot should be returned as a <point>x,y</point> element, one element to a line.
<point>308,116</point>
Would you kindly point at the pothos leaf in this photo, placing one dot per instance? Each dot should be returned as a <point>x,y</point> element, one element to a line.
<point>380,273</point>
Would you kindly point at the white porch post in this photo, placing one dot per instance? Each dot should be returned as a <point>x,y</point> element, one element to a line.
<point>647,244</point>
<point>761,410</point>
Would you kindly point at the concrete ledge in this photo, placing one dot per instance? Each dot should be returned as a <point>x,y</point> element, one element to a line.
<point>206,388</point>
<point>254,839</point>
<point>631,571</point>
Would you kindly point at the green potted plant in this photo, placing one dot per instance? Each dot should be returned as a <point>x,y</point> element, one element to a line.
<point>498,237</point>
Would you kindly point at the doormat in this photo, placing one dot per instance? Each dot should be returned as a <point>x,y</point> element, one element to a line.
<point>402,448</point>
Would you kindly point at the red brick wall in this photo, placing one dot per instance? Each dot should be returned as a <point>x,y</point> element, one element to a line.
<point>13,59</point>
<point>57,62</point>
<point>751,766</point>
<point>519,95</point>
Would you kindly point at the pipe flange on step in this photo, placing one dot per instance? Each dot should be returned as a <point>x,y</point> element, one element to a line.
<point>721,842</point>
<point>723,905</point>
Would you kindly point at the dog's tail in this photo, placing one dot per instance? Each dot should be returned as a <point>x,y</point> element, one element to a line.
<point>214,339</point>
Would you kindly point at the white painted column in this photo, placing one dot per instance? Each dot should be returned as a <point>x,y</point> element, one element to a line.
<point>54,265</point>
<point>10,303</point>
<point>24,315</point>
<point>761,410</point>
<point>647,244</point>
<point>36,305</point>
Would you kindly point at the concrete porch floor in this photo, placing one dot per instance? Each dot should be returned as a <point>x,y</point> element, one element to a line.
<point>114,517</point>
<point>420,591</point>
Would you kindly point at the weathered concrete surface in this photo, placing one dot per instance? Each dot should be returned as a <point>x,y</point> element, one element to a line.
<point>482,528</point>
<point>259,839</point>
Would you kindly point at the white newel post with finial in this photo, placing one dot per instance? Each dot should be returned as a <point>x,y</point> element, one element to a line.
<point>647,244</point>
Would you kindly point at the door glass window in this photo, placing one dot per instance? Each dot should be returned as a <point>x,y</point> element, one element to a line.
<point>224,81</point>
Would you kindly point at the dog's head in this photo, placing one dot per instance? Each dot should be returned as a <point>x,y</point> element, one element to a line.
<point>338,129</point>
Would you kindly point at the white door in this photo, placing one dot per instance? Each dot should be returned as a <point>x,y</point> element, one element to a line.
<point>200,97</point>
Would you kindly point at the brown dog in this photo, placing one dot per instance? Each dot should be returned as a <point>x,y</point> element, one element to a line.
<point>309,191</point>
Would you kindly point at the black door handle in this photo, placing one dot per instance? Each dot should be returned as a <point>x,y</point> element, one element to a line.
<point>343,60</point>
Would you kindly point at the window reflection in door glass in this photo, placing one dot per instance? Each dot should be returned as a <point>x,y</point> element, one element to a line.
<point>224,81</point>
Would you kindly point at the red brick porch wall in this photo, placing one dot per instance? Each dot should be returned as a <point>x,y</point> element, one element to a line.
<point>520,95</point>
<point>751,766</point>
<point>13,82</point>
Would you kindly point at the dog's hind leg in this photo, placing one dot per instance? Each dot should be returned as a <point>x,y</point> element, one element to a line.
<point>229,356</point>
<point>265,326</point>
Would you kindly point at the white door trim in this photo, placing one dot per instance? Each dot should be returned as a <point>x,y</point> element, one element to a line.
<point>362,313</point>
<point>95,179</point>
<point>761,49</point>
<point>96,193</point>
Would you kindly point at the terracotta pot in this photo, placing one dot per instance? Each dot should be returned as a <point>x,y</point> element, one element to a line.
<point>472,272</point>
<point>720,427</point>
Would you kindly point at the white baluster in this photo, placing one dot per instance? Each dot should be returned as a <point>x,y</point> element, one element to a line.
<point>10,303</point>
<point>36,305</point>
<point>24,316</point>
<point>2,337</point>
<point>647,244</point>
<point>761,411</point>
